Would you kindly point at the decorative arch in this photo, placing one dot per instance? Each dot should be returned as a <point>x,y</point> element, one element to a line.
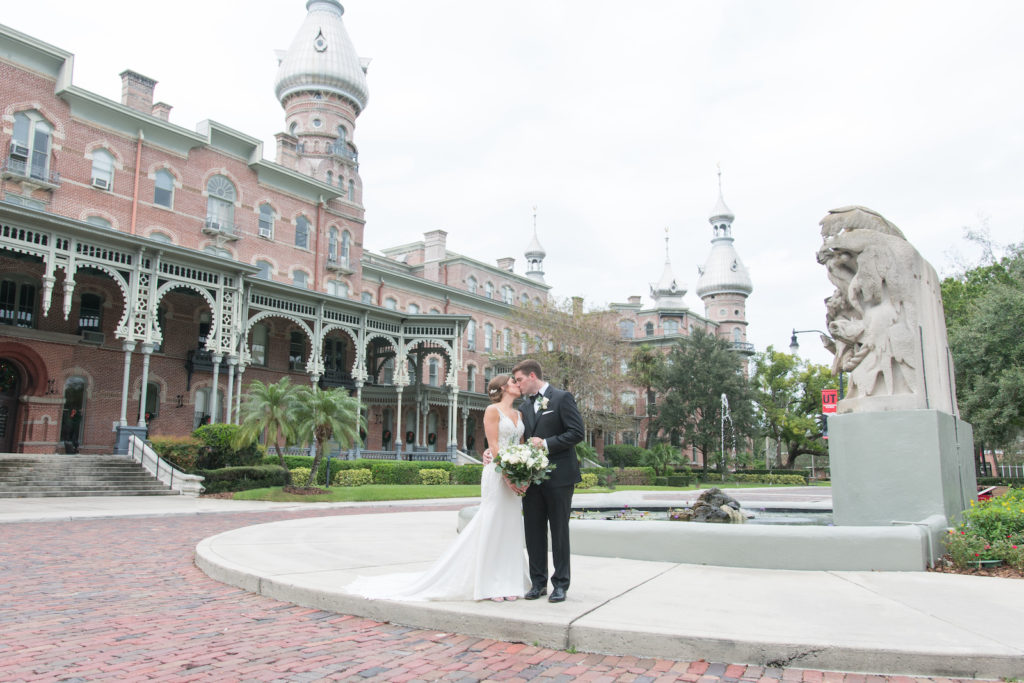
<point>50,116</point>
<point>108,147</point>
<point>31,366</point>
<point>122,324</point>
<point>105,215</point>
<point>162,292</point>
<point>164,166</point>
<point>263,315</point>
<point>352,335</point>
<point>227,174</point>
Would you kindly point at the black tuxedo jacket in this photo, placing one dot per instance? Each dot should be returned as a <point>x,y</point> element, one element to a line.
<point>561,426</point>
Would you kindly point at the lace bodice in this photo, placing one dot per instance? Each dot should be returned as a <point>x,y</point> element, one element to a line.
<point>509,432</point>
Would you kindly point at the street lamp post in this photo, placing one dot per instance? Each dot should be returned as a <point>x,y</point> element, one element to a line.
<point>794,348</point>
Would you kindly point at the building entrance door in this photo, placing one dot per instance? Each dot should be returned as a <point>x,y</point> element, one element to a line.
<point>9,386</point>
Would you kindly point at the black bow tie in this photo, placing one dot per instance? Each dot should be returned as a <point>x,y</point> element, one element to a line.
<point>534,397</point>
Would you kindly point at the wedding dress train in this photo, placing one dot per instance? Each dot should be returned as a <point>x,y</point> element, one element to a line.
<point>487,560</point>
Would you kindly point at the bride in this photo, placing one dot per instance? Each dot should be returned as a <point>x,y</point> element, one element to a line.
<point>487,560</point>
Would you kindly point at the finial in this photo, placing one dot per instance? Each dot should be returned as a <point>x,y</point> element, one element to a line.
<point>666,244</point>
<point>534,219</point>
<point>719,177</point>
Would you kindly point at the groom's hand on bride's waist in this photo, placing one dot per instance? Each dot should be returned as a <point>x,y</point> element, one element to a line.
<point>488,457</point>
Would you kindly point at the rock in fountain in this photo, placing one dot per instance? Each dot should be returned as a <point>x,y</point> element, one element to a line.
<point>712,505</point>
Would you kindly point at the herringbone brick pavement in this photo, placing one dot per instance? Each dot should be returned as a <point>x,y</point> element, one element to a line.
<point>120,599</point>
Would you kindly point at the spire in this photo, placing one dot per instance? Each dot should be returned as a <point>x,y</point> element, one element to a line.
<point>721,216</point>
<point>723,271</point>
<point>667,292</point>
<point>535,254</point>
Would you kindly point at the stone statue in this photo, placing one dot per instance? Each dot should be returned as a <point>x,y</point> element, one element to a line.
<point>885,317</point>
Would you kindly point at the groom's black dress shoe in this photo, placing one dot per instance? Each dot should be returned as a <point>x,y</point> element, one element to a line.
<point>557,595</point>
<point>536,592</point>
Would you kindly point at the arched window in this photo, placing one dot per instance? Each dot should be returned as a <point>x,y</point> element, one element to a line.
<point>332,245</point>
<point>302,232</point>
<point>506,340</point>
<point>649,329</point>
<point>434,311</point>
<point>17,303</point>
<point>300,279</point>
<point>366,298</point>
<point>524,343</point>
<point>471,335</point>
<point>266,267</point>
<point>335,353</point>
<point>220,204</point>
<point>471,378</point>
<point>432,372</point>
<point>297,351</point>
<point>351,190</point>
<point>524,299</point>
<point>218,251</point>
<point>163,190</point>
<point>266,221</point>
<point>626,329</point>
<point>30,146</point>
<point>508,295</point>
<point>488,337</point>
<point>330,178</point>
<point>337,288</point>
<point>346,247</point>
<point>99,222</point>
<point>90,313</point>
<point>391,303</point>
<point>737,335</point>
<point>671,326</point>
<point>152,400</point>
<point>628,401</point>
<point>102,169</point>
<point>260,340</point>
<point>413,308</point>
<point>471,284</point>
<point>161,237</point>
<point>489,290</point>
<point>342,134</point>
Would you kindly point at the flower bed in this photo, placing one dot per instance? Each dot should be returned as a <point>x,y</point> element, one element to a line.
<point>992,532</point>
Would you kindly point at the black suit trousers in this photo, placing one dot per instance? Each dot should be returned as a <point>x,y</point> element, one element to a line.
<point>544,504</point>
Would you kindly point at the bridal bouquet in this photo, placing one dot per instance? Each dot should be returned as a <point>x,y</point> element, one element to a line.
<point>523,464</point>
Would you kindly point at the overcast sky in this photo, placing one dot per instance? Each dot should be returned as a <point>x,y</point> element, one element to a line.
<point>612,117</point>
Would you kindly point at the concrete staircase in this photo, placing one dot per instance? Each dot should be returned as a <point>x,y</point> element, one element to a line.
<point>43,476</point>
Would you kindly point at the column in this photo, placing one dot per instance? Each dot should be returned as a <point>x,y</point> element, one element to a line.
<point>399,436</point>
<point>217,358</point>
<point>465,425</point>
<point>359,399</point>
<point>228,413</point>
<point>147,350</point>
<point>418,440</point>
<point>238,395</point>
<point>128,347</point>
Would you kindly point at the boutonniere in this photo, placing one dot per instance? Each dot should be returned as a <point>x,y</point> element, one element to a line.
<point>542,402</point>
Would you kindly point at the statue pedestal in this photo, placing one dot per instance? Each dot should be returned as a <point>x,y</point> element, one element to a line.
<point>124,433</point>
<point>902,465</point>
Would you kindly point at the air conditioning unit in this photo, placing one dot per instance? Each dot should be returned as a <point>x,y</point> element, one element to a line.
<point>19,151</point>
<point>212,224</point>
<point>101,183</point>
<point>92,336</point>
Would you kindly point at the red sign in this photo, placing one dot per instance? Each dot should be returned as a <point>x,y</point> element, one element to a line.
<point>829,398</point>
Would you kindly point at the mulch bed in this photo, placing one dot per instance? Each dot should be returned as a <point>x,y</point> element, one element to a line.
<point>945,566</point>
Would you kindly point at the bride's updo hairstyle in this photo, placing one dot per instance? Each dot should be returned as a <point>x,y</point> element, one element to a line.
<point>496,387</point>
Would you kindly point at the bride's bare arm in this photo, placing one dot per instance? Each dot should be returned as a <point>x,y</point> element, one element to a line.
<point>491,418</point>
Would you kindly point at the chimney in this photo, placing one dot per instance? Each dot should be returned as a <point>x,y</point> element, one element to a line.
<point>507,263</point>
<point>577,306</point>
<point>434,250</point>
<point>162,110</point>
<point>635,300</point>
<point>287,155</point>
<point>137,91</point>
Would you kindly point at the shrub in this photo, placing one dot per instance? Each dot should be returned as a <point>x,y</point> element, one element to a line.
<point>622,455</point>
<point>636,476</point>
<point>300,475</point>
<point>180,451</point>
<point>217,451</point>
<point>467,474</point>
<point>777,470</point>
<point>771,479</point>
<point>589,481</point>
<point>605,475</point>
<point>661,481</point>
<point>394,472</point>
<point>990,530</point>
<point>1017,482</point>
<point>433,476</point>
<point>354,477</point>
<point>243,478</point>
<point>679,479</point>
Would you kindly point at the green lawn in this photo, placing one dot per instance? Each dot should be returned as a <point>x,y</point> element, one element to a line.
<point>374,492</point>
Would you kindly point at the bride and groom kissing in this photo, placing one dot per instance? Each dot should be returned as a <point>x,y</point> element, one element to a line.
<point>487,561</point>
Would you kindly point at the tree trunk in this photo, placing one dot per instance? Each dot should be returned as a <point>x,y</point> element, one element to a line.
<point>280,456</point>
<point>316,464</point>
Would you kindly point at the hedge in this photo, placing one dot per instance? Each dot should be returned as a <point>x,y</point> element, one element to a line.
<point>605,475</point>
<point>623,455</point>
<point>773,479</point>
<point>217,451</point>
<point>589,481</point>
<point>397,472</point>
<point>679,479</point>
<point>434,476</point>
<point>1016,482</point>
<point>777,470</point>
<point>180,451</point>
<point>243,478</point>
<point>636,476</point>
<point>467,474</point>
<point>355,477</point>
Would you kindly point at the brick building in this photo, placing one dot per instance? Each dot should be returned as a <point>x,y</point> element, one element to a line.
<point>148,270</point>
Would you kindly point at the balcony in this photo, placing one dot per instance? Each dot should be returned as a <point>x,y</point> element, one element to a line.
<point>15,168</point>
<point>341,149</point>
<point>746,348</point>
<point>332,379</point>
<point>338,265</point>
<point>219,227</point>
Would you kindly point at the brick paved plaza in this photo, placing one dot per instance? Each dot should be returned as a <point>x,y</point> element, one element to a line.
<point>120,599</point>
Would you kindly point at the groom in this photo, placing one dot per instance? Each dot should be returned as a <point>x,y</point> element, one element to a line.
<point>551,420</point>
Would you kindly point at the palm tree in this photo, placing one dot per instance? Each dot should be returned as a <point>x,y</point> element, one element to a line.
<point>267,410</point>
<point>321,415</point>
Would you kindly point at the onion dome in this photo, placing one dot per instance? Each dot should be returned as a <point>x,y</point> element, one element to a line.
<point>723,272</point>
<point>322,58</point>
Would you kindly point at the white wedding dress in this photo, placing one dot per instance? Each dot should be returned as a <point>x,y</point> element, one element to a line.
<point>487,560</point>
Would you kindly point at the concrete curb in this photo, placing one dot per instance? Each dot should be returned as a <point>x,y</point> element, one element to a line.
<point>880,622</point>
